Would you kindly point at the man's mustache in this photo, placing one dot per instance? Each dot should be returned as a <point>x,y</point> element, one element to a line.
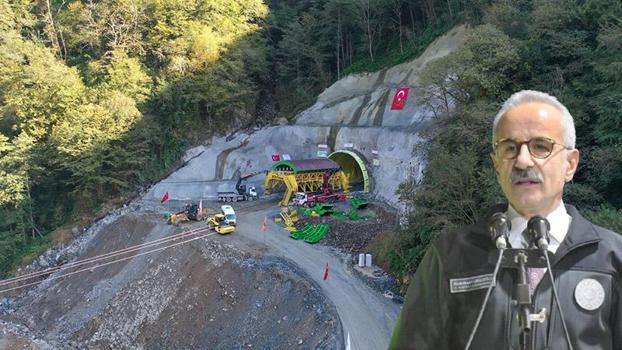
<point>525,174</point>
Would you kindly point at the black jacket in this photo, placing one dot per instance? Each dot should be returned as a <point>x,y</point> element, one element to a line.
<point>433,317</point>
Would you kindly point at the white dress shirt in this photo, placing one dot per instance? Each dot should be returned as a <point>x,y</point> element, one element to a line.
<point>558,218</point>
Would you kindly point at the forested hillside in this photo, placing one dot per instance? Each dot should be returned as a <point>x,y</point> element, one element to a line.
<point>571,49</point>
<point>98,98</point>
<point>101,98</point>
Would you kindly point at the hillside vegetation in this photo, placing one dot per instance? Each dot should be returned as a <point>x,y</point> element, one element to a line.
<point>571,49</point>
<point>100,99</point>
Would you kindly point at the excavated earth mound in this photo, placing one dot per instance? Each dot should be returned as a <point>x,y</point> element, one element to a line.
<point>355,236</point>
<point>201,294</point>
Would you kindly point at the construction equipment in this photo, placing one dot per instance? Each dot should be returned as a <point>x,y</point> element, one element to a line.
<point>310,199</point>
<point>325,180</point>
<point>194,212</point>
<point>351,215</point>
<point>241,193</point>
<point>311,233</point>
<point>290,218</point>
<point>323,209</point>
<point>307,175</point>
<point>229,215</point>
<point>359,202</point>
<point>218,224</point>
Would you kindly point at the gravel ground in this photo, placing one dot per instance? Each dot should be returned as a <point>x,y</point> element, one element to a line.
<point>204,294</point>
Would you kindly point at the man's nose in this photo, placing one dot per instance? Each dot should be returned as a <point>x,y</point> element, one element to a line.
<point>524,159</point>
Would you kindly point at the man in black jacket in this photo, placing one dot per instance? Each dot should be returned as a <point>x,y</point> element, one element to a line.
<point>534,155</point>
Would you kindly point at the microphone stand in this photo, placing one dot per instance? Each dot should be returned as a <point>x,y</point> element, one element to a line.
<point>523,299</point>
<point>520,260</point>
<point>483,307</point>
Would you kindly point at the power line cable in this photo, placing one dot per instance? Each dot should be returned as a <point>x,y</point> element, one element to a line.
<point>105,264</point>
<point>99,257</point>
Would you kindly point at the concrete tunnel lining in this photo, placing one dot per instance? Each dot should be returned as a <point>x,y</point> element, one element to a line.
<point>353,165</point>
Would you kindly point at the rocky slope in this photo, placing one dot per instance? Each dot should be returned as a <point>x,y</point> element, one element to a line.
<point>203,294</point>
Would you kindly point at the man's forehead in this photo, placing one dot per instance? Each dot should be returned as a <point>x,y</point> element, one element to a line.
<point>533,110</point>
<point>531,117</point>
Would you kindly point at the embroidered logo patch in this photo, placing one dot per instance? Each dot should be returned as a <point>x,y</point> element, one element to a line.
<point>467,284</point>
<point>589,294</point>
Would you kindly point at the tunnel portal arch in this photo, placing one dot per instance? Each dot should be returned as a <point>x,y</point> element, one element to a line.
<point>355,168</point>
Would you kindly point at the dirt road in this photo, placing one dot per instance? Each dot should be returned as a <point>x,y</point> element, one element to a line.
<point>366,315</point>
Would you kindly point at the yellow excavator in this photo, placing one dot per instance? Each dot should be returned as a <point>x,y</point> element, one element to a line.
<point>190,212</point>
<point>218,224</point>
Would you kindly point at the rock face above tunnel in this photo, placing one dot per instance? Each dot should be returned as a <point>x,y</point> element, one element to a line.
<point>199,295</point>
<point>365,99</point>
<point>353,114</point>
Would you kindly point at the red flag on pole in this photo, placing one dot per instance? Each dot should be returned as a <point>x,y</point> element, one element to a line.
<point>276,157</point>
<point>164,198</point>
<point>265,223</point>
<point>399,100</point>
<point>326,272</point>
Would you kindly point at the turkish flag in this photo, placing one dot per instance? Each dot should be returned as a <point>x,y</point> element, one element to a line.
<point>276,157</point>
<point>326,272</point>
<point>265,223</point>
<point>399,100</point>
<point>164,198</point>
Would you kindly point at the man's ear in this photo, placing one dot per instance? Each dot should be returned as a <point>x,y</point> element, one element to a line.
<point>572,161</point>
<point>494,164</point>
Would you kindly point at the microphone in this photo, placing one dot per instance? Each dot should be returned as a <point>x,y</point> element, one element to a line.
<point>538,230</point>
<point>498,226</point>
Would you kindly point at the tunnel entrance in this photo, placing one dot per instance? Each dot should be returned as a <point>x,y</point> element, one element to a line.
<point>355,168</point>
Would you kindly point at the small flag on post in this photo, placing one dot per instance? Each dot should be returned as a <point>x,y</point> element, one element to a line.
<point>276,157</point>
<point>164,198</point>
<point>326,272</point>
<point>399,100</point>
<point>265,223</point>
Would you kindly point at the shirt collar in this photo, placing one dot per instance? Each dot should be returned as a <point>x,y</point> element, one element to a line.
<point>558,219</point>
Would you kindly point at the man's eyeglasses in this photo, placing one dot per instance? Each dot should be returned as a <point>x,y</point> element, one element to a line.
<point>539,147</point>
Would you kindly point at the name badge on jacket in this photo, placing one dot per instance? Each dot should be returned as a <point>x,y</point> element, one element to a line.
<point>467,284</point>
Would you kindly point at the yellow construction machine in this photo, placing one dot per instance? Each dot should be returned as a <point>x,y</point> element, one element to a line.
<point>192,212</point>
<point>218,224</point>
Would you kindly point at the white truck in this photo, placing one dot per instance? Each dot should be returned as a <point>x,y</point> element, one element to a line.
<point>229,214</point>
<point>249,194</point>
<point>241,193</point>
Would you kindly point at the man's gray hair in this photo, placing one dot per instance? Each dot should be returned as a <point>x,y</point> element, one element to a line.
<point>526,96</point>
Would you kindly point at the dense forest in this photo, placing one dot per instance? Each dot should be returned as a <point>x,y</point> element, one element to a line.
<point>98,99</point>
<point>571,49</point>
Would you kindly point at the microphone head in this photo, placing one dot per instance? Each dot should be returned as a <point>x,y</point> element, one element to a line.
<point>499,218</point>
<point>538,229</point>
<point>498,227</point>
